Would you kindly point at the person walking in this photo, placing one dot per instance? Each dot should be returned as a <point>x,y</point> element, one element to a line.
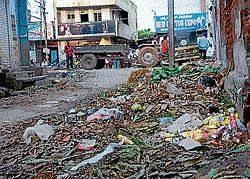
<point>203,45</point>
<point>68,49</point>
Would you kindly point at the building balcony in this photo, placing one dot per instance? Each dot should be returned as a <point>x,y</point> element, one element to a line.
<point>94,29</point>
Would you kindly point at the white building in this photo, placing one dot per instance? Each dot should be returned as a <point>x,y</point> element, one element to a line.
<point>82,18</point>
<point>90,22</point>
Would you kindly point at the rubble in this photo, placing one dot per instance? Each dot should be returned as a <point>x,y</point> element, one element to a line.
<point>154,133</point>
<point>5,92</point>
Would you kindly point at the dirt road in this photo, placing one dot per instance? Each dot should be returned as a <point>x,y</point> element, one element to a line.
<point>72,92</point>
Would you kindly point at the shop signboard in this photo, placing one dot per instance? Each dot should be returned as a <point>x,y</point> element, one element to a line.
<point>182,22</point>
<point>37,33</point>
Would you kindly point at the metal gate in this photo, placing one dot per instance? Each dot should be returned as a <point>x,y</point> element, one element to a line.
<point>4,34</point>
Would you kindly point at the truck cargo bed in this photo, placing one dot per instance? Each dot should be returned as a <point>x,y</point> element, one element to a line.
<point>95,49</point>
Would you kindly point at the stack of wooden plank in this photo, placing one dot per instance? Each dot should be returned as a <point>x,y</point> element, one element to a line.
<point>187,53</point>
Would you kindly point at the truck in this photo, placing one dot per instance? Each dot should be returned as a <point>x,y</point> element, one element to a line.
<point>187,28</point>
<point>150,51</point>
<point>148,54</point>
<point>94,56</point>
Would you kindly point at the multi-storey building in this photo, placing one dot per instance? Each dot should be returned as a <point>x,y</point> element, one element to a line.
<point>9,50</point>
<point>13,35</point>
<point>90,21</point>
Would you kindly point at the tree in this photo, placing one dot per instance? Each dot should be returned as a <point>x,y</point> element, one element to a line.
<point>145,34</point>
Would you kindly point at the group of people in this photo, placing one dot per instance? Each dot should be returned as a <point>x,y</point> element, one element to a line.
<point>203,45</point>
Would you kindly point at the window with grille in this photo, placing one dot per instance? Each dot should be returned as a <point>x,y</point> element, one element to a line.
<point>124,17</point>
<point>71,17</point>
<point>97,16</point>
<point>13,27</point>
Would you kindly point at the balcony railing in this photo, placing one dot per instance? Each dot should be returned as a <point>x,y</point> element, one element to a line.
<point>87,29</point>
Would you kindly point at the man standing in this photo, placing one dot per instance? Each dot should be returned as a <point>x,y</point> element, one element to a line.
<point>68,49</point>
<point>164,45</point>
<point>203,45</point>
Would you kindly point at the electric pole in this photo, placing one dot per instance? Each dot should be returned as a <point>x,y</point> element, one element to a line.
<point>45,30</point>
<point>171,31</point>
<point>42,5</point>
<point>154,20</point>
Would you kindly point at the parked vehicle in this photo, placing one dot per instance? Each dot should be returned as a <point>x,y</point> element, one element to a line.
<point>94,56</point>
<point>150,51</point>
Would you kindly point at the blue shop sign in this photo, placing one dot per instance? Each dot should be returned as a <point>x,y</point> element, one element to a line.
<point>195,21</point>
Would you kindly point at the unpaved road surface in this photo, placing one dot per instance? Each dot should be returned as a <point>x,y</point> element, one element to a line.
<point>70,93</point>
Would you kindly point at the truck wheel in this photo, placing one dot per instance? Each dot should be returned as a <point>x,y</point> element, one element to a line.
<point>88,61</point>
<point>100,63</point>
<point>148,56</point>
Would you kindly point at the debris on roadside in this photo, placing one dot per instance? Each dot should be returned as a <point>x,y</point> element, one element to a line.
<point>189,144</point>
<point>104,113</point>
<point>110,149</point>
<point>43,131</point>
<point>86,145</point>
<point>160,124</point>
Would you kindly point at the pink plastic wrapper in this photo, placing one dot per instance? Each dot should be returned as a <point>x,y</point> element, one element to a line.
<point>105,113</point>
<point>232,121</point>
<point>86,145</point>
<point>219,132</point>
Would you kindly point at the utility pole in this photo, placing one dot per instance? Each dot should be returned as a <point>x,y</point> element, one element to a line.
<point>171,31</point>
<point>45,30</point>
<point>41,21</point>
<point>43,18</point>
<point>154,20</point>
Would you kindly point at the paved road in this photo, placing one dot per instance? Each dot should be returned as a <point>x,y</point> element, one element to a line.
<point>86,85</point>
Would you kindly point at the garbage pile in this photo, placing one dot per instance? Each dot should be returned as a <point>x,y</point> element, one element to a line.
<point>5,92</point>
<point>164,123</point>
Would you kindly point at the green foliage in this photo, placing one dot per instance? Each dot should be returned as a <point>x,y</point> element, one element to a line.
<point>145,34</point>
<point>164,72</point>
<point>129,151</point>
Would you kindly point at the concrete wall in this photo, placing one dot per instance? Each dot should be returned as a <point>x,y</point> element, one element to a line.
<point>232,49</point>
<point>131,8</point>
<point>125,31</point>
<point>240,70</point>
<point>106,14</point>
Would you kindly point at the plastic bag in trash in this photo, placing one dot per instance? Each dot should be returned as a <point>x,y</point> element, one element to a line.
<point>43,131</point>
<point>105,113</point>
<point>86,145</point>
<point>172,89</point>
<point>120,99</point>
<point>124,139</point>
<point>185,123</point>
<point>241,126</point>
<point>110,149</point>
<point>166,120</point>
<point>208,81</point>
<point>189,144</point>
